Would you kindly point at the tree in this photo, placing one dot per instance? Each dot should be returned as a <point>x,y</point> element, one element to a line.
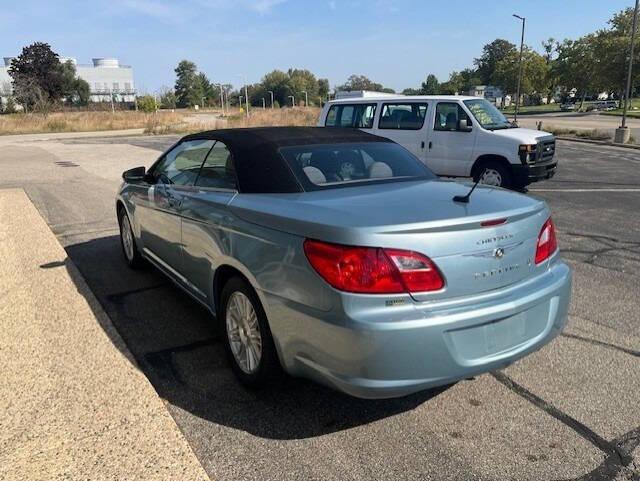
<point>32,96</point>
<point>323,88</point>
<point>611,50</point>
<point>300,81</point>
<point>9,106</point>
<point>430,86</point>
<point>412,91</point>
<point>74,89</point>
<point>360,82</point>
<point>208,92</point>
<point>460,82</point>
<point>277,82</point>
<point>492,54</point>
<point>550,47</point>
<point>37,76</point>
<point>147,103</point>
<point>576,65</point>
<point>167,98</point>
<point>188,86</point>
<point>534,72</point>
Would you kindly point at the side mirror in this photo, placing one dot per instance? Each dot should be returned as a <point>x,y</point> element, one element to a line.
<point>464,125</point>
<point>132,176</point>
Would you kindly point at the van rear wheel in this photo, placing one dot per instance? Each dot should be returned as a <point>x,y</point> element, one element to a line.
<point>494,173</point>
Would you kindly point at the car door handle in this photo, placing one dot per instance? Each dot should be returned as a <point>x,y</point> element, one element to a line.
<point>430,145</point>
<point>422,144</point>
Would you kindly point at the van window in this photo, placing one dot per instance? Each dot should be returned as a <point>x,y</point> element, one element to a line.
<point>448,115</point>
<point>403,116</point>
<point>358,116</point>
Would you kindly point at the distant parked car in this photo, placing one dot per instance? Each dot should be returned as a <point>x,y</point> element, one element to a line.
<point>338,256</point>
<point>568,106</point>
<point>455,136</point>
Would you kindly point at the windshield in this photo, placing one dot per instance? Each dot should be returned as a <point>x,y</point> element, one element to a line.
<point>487,115</point>
<point>325,166</point>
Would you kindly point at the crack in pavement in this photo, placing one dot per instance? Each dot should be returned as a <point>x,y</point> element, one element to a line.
<point>117,297</point>
<point>605,245</point>
<point>618,452</point>
<point>596,342</point>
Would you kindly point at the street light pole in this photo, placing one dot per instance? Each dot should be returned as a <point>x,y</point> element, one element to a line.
<point>246,93</point>
<point>515,117</point>
<point>628,88</point>
<point>306,98</point>
<point>293,100</point>
<point>221,97</point>
<point>264,103</point>
<point>271,93</point>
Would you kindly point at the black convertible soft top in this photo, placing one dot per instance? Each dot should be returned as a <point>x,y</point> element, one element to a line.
<point>259,166</point>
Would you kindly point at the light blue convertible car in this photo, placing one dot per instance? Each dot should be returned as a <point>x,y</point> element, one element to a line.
<point>338,256</point>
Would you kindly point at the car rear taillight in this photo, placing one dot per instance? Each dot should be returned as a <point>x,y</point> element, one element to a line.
<point>547,242</point>
<point>373,270</point>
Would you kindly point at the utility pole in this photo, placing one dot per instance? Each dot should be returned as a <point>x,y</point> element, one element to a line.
<point>623,134</point>
<point>221,97</point>
<point>306,98</point>
<point>246,98</point>
<point>515,117</point>
<point>240,101</point>
<point>264,103</point>
<point>246,93</point>
<point>271,93</point>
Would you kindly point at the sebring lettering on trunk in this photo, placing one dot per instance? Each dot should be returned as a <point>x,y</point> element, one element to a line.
<point>497,238</point>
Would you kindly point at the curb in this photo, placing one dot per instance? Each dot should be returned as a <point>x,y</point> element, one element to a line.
<point>75,404</point>
<point>598,142</point>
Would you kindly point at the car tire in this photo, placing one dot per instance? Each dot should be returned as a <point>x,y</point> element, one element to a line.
<point>128,241</point>
<point>494,173</point>
<point>247,338</point>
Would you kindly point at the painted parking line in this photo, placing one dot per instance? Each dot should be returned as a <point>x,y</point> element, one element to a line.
<point>584,190</point>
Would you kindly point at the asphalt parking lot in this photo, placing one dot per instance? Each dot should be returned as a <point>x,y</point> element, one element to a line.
<point>568,412</point>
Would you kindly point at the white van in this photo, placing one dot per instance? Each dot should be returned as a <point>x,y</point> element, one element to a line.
<point>455,136</point>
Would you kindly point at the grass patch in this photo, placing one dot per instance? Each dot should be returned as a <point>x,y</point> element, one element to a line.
<point>163,122</point>
<point>591,134</point>
<point>292,117</point>
<point>533,109</point>
<point>82,121</point>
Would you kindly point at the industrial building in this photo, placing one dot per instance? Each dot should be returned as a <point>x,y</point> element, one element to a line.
<point>107,79</point>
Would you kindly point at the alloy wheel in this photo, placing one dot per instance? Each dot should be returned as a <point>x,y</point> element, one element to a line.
<point>127,237</point>
<point>243,332</point>
<point>491,177</point>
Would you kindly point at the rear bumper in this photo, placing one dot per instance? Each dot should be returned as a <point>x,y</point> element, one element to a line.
<point>426,344</point>
<point>526,174</point>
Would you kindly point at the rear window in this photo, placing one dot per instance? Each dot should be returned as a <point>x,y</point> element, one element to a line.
<point>359,116</point>
<point>324,166</point>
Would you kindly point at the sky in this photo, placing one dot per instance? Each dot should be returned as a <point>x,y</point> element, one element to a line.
<point>393,42</point>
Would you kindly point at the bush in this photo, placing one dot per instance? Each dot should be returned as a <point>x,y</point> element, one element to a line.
<point>147,103</point>
<point>9,106</point>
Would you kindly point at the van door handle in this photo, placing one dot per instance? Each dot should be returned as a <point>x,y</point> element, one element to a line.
<point>422,144</point>
<point>430,145</point>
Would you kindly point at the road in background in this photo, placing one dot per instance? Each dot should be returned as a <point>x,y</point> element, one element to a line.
<point>580,121</point>
<point>569,411</point>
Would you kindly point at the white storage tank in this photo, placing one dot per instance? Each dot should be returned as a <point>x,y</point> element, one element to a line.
<point>106,62</point>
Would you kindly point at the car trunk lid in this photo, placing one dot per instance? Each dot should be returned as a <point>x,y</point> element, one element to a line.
<point>484,245</point>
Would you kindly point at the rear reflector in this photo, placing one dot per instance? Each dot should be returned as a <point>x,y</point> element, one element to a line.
<point>489,223</point>
<point>373,270</point>
<point>547,242</point>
